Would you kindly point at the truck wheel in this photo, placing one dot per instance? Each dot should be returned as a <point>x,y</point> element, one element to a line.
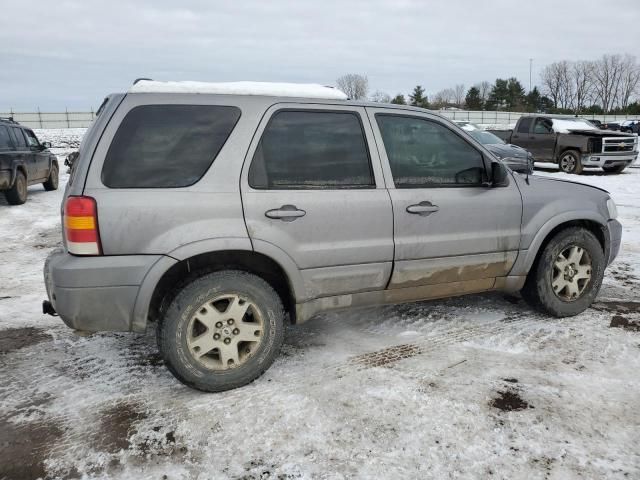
<point>616,169</point>
<point>222,331</point>
<point>570,162</point>
<point>17,194</point>
<point>52,181</point>
<point>567,276</point>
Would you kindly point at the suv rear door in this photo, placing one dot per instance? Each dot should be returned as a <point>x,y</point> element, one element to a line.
<point>313,187</point>
<point>23,153</point>
<point>449,228</point>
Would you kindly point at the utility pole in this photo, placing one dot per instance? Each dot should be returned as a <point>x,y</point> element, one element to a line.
<point>530,69</point>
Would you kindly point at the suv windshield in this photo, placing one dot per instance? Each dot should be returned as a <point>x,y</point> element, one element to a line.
<point>485,138</point>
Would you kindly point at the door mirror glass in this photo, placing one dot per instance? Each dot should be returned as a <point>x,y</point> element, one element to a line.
<point>499,175</point>
<point>46,145</point>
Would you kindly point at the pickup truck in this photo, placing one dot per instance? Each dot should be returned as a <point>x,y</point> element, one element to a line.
<point>572,143</point>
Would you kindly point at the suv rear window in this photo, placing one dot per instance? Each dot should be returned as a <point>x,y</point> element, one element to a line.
<point>167,146</point>
<point>5,141</point>
<point>312,149</point>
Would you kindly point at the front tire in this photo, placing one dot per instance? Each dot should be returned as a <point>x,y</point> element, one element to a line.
<point>616,169</point>
<point>568,275</point>
<point>570,162</point>
<point>52,181</point>
<point>222,331</point>
<point>17,195</point>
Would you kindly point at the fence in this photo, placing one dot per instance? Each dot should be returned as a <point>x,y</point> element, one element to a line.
<point>83,119</point>
<point>40,119</point>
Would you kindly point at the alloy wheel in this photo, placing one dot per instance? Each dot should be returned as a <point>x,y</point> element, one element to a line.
<point>571,273</point>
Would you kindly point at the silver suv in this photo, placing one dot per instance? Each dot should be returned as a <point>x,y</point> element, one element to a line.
<point>220,216</point>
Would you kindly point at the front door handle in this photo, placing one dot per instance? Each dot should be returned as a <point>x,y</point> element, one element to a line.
<point>423,208</point>
<point>286,213</point>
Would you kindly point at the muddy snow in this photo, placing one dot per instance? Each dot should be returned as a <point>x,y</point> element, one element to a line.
<point>475,387</point>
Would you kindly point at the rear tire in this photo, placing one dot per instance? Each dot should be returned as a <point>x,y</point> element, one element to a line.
<point>616,169</point>
<point>558,284</point>
<point>222,331</point>
<point>52,181</point>
<point>17,194</point>
<point>570,162</point>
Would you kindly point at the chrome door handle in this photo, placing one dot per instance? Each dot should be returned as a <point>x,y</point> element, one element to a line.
<point>423,208</point>
<point>286,213</point>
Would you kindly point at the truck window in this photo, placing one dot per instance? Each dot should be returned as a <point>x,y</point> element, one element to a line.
<point>167,146</point>
<point>524,125</point>
<point>542,125</point>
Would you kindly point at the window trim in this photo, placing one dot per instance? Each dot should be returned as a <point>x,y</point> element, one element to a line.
<point>305,188</point>
<point>441,185</point>
<point>206,170</point>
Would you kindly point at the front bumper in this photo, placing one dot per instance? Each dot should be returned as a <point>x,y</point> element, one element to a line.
<point>96,293</point>
<point>608,159</point>
<point>615,239</point>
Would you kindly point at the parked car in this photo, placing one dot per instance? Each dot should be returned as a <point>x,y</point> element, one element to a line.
<point>573,143</point>
<point>615,126</point>
<point>630,126</point>
<point>217,217</point>
<point>516,158</point>
<point>24,161</point>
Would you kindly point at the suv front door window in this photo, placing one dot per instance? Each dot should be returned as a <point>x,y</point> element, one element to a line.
<point>312,189</point>
<point>449,227</point>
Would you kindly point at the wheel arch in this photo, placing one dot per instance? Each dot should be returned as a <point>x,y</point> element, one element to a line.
<point>170,274</point>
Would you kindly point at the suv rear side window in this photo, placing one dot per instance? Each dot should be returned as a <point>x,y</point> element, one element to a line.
<point>167,146</point>
<point>5,140</point>
<point>302,149</point>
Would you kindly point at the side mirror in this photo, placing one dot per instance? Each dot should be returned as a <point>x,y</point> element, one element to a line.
<point>46,144</point>
<point>499,175</point>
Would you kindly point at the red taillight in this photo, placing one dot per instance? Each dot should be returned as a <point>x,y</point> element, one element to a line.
<point>81,226</point>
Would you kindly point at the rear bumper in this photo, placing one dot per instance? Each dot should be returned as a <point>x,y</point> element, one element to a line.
<point>5,179</point>
<point>96,293</point>
<point>608,159</point>
<point>615,239</point>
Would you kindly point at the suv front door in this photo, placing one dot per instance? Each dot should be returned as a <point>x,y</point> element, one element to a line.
<point>39,156</point>
<point>314,190</point>
<point>450,228</point>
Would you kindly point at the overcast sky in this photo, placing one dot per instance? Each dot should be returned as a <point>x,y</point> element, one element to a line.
<point>57,54</point>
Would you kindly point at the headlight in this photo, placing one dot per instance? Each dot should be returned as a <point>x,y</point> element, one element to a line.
<point>613,210</point>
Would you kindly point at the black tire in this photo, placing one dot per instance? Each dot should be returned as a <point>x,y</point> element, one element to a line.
<point>569,162</point>
<point>616,169</point>
<point>538,290</point>
<point>17,194</point>
<point>173,330</point>
<point>52,181</point>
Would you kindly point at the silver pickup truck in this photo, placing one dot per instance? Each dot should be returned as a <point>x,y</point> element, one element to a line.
<point>216,212</point>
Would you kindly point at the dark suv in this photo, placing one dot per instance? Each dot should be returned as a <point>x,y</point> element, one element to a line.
<point>24,161</point>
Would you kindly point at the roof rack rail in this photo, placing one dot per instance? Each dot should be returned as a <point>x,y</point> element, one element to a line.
<point>8,119</point>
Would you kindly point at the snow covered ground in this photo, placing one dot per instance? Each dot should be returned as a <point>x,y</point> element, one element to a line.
<point>475,387</point>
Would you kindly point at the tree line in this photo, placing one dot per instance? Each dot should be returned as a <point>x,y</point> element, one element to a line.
<point>610,84</point>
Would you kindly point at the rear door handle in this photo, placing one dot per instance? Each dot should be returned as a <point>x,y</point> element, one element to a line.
<point>423,208</point>
<point>286,213</point>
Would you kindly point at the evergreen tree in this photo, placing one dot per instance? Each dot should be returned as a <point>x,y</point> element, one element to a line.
<point>515,95</point>
<point>399,100</point>
<point>418,98</point>
<point>533,100</point>
<point>498,96</point>
<point>473,100</point>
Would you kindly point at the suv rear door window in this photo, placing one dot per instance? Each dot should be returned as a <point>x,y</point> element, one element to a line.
<point>167,146</point>
<point>5,140</point>
<point>303,149</point>
<point>18,138</point>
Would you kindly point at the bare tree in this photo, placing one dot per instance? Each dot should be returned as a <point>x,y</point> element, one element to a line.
<point>606,80</point>
<point>354,85</point>
<point>459,94</point>
<point>380,97</point>
<point>629,80</point>
<point>554,83</point>
<point>582,84</point>
<point>485,90</point>
<point>444,98</point>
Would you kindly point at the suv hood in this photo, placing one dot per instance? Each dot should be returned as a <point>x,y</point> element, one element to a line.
<point>507,150</point>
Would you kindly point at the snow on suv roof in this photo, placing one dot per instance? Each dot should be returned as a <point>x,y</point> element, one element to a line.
<point>306,90</point>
